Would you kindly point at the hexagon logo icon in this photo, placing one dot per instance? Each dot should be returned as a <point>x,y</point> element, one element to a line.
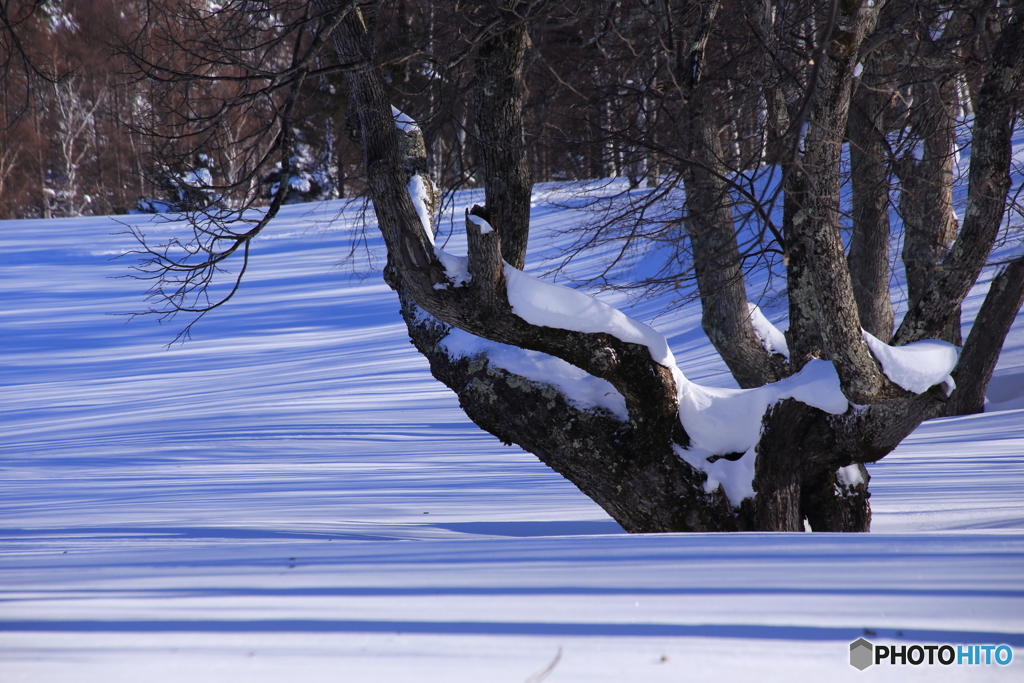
<point>861,654</point>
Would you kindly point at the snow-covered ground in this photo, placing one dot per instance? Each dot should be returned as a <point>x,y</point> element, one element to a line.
<point>291,496</point>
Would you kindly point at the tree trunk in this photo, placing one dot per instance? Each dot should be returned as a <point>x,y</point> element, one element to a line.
<point>981,351</point>
<point>508,183</point>
<point>809,464</point>
<point>989,180</point>
<point>926,198</point>
<point>869,181</point>
<point>708,219</point>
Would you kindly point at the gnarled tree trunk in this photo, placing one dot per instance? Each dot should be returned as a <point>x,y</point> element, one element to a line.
<point>651,457</point>
<point>809,464</point>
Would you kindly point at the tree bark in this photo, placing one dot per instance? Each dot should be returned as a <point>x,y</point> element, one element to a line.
<point>508,183</point>
<point>708,220</point>
<point>803,337</point>
<point>926,198</point>
<point>815,226</point>
<point>981,351</point>
<point>988,184</point>
<point>869,182</point>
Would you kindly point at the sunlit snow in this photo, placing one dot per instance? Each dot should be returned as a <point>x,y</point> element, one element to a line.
<point>916,366</point>
<point>251,505</point>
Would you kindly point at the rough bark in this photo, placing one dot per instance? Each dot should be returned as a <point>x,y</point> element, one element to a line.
<point>869,182</point>
<point>803,337</point>
<point>926,198</point>
<point>717,263</point>
<point>829,503</point>
<point>988,184</point>
<point>815,226</point>
<point>985,341</point>
<point>708,220</point>
<point>507,180</point>
<point>802,448</point>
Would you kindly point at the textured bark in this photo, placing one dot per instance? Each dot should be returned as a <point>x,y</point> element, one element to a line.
<point>830,504</point>
<point>803,337</point>
<point>717,264</point>
<point>709,221</point>
<point>988,184</point>
<point>815,226</point>
<point>869,181</point>
<point>801,449</point>
<point>508,183</point>
<point>926,198</point>
<point>795,473</point>
<point>985,341</point>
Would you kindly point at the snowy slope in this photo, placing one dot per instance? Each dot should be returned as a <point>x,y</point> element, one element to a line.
<point>290,496</point>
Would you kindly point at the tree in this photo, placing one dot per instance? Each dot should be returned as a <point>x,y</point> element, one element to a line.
<point>62,93</point>
<point>659,463</point>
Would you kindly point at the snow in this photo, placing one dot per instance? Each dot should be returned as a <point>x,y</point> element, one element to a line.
<point>420,201</point>
<point>455,267</point>
<point>850,476</point>
<point>581,388</point>
<point>152,499</point>
<point>771,338</point>
<point>485,227</point>
<point>551,305</point>
<point>200,177</point>
<point>918,366</point>
<point>298,183</point>
<point>724,421</point>
<point>403,122</point>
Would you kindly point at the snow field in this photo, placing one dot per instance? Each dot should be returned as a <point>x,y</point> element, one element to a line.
<point>152,500</point>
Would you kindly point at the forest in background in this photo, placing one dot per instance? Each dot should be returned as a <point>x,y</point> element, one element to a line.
<point>91,123</point>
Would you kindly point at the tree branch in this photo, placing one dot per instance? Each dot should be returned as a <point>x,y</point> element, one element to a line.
<point>988,184</point>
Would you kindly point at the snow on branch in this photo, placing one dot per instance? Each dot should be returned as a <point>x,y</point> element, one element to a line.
<point>579,387</point>
<point>403,122</point>
<point>773,340</point>
<point>727,422</point>
<point>549,305</point>
<point>917,366</point>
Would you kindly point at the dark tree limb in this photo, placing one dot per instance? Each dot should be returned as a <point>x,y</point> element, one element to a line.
<point>508,183</point>
<point>988,184</point>
<point>709,204</point>
<point>981,350</point>
<point>869,181</point>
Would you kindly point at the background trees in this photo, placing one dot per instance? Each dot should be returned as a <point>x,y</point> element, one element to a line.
<point>788,136</point>
<point>65,104</point>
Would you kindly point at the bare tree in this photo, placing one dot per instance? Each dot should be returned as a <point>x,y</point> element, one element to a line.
<point>75,120</point>
<point>649,466</point>
<point>61,94</point>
